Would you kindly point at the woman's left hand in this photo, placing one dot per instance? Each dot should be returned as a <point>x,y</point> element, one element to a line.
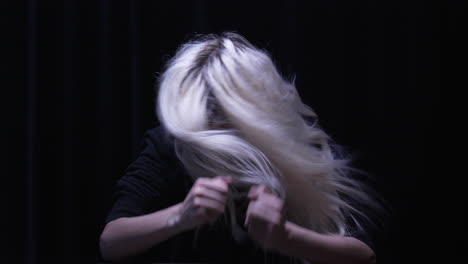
<point>265,220</point>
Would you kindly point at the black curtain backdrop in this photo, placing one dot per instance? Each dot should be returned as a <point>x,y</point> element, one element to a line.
<point>78,94</point>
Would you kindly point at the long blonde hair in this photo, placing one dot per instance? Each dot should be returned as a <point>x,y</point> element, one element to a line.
<point>232,113</point>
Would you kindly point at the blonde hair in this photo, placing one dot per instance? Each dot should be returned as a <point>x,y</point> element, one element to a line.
<point>232,113</point>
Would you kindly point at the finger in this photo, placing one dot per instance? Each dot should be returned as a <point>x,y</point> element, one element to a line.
<point>257,228</point>
<point>265,189</point>
<point>250,210</point>
<point>202,191</point>
<point>258,211</point>
<point>257,190</point>
<point>209,204</point>
<point>227,179</point>
<point>254,211</point>
<point>253,192</point>
<point>271,201</point>
<point>247,214</point>
<point>216,184</point>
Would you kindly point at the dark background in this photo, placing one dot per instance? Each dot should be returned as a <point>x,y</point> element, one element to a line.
<point>78,94</point>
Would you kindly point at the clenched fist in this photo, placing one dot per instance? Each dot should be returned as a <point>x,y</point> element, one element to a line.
<point>265,220</point>
<point>204,203</point>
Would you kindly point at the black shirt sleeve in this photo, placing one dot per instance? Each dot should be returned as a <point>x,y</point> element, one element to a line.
<point>151,182</point>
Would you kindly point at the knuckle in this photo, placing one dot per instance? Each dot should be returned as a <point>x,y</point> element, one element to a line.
<point>223,188</point>
<point>200,180</point>
<point>197,190</point>
<point>221,185</point>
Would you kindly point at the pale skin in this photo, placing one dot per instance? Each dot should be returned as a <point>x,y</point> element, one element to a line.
<point>205,202</point>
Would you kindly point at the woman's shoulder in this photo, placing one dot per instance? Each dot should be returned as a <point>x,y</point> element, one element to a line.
<point>160,141</point>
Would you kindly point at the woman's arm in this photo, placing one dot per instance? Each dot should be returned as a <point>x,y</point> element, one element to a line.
<point>266,224</point>
<point>310,245</point>
<point>128,236</point>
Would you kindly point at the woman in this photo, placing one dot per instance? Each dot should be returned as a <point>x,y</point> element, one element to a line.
<point>236,141</point>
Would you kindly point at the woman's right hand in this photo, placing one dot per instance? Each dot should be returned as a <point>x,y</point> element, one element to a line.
<point>204,203</point>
